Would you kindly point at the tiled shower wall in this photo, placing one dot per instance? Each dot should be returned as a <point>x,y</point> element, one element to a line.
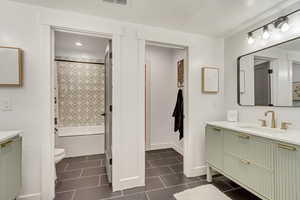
<point>80,94</point>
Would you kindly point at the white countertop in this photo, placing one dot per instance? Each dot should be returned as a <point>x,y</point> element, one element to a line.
<point>291,136</point>
<point>5,135</point>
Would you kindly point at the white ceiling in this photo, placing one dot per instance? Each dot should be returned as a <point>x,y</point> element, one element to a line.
<point>92,47</point>
<point>209,17</point>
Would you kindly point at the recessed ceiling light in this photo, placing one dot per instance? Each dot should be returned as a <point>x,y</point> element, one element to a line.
<point>79,44</point>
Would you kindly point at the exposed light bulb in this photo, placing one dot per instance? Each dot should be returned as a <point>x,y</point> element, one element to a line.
<point>285,27</point>
<point>266,34</point>
<point>79,44</point>
<point>251,39</point>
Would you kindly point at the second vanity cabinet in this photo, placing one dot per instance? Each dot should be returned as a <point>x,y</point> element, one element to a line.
<point>267,168</point>
<point>10,168</point>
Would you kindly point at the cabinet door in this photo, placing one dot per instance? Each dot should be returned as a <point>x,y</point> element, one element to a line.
<point>10,168</point>
<point>287,172</point>
<point>214,146</point>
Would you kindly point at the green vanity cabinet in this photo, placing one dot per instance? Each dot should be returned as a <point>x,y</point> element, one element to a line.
<point>246,159</point>
<point>287,171</point>
<point>10,168</point>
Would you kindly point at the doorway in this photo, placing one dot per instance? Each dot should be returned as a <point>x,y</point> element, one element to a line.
<point>165,68</point>
<point>83,110</point>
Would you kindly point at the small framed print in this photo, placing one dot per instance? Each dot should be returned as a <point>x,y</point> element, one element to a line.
<point>210,80</point>
<point>180,73</point>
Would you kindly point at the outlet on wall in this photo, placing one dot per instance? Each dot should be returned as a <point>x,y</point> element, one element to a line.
<point>5,104</point>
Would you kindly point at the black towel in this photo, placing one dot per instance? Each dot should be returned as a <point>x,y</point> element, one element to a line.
<point>178,114</point>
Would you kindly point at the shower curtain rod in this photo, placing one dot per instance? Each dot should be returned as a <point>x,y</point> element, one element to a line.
<point>62,60</point>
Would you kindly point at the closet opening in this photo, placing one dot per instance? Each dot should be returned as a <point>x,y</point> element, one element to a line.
<point>165,91</point>
<point>82,109</point>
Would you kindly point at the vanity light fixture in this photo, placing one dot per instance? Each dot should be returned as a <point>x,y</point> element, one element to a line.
<point>281,23</point>
<point>79,44</point>
<point>251,39</point>
<point>266,34</point>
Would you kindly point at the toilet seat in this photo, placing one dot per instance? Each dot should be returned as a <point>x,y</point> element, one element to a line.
<point>59,154</point>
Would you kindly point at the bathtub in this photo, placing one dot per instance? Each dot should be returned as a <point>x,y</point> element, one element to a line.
<point>81,141</point>
<point>80,131</point>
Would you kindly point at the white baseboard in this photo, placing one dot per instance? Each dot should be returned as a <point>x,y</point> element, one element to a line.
<point>36,196</point>
<point>178,149</point>
<point>197,171</point>
<point>130,182</point>
<point>161,146</point>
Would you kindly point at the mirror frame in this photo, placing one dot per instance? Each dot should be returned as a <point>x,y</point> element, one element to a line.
<point>238,73</point>
<point>20,63</point>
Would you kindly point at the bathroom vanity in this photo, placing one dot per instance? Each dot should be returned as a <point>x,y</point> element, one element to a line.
<point>10,164</point>
<point>265,161</point>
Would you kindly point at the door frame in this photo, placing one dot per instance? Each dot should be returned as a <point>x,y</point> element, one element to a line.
<point>48,139</point>
<point>187,161</point>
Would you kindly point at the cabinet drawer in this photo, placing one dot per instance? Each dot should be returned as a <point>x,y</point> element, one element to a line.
<point>237,144</point>
<point>214,146</point>
<point>247,173</point>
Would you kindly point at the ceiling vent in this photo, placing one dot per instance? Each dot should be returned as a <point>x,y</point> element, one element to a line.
<point>119,2</point>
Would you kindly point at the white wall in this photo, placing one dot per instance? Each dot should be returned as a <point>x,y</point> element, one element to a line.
<point>162,62</point>
<point>236,45</point>
<point>31,103</point>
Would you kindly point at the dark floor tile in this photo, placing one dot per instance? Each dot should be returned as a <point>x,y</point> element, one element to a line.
<point>75,159</point>
<point>96,193</point>
<point>157,171</point>
<point>197,184</point>
<point>169,154</point>
<point>147,164</point>
<point>61,166</point>
<point>138,196</point>
<point>85,164</point>
<point>151,184</point>
<point>177,168</point>
<point>94,171</point>
<point>104,180</point>
<point>64,195</point>
<point>241,194</point>
<point>153,156</point>
<point>160,150</point>
<point>165,194</point>
<point>163,162</point>
<point>68,174</point>
<point>77,183</point>
<point>221,185</point>
<point>96,157</point>
<point>177,179</point>
<point>180,158</point>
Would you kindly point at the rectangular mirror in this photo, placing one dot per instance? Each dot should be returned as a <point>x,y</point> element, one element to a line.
<point>271,76</point>
<point>10,67</point>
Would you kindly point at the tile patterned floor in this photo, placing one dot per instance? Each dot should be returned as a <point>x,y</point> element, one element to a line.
<point>84,178</point>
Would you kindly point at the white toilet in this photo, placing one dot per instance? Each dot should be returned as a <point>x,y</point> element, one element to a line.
<point>59,155</point>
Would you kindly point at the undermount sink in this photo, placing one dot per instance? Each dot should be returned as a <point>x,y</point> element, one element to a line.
<point>261,129</point>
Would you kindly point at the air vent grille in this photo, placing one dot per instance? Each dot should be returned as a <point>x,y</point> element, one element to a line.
<point>120,2</point>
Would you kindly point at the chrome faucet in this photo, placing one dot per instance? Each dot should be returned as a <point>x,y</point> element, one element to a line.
<point>273,123</point>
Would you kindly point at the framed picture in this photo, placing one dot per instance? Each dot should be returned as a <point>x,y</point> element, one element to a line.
<point>180,73</point>
<point>210,80</point>
<point>242,81</point>
<point>11,67</point>
<point>296,91</point>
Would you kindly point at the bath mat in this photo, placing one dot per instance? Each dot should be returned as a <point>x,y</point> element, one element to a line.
<point>204,192</point>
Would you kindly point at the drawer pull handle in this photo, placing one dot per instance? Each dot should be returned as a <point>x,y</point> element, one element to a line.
<point>3,145</point>
<point>245,162</point>
<point>244,136</point>
<point>287,147</point>
<point>217,129</point>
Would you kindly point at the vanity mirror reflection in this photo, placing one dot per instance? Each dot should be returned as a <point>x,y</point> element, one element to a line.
<point>10,67</point>
<point>271,76</point>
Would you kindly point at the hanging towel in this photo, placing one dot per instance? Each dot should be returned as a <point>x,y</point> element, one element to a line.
<point>178,114</point>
